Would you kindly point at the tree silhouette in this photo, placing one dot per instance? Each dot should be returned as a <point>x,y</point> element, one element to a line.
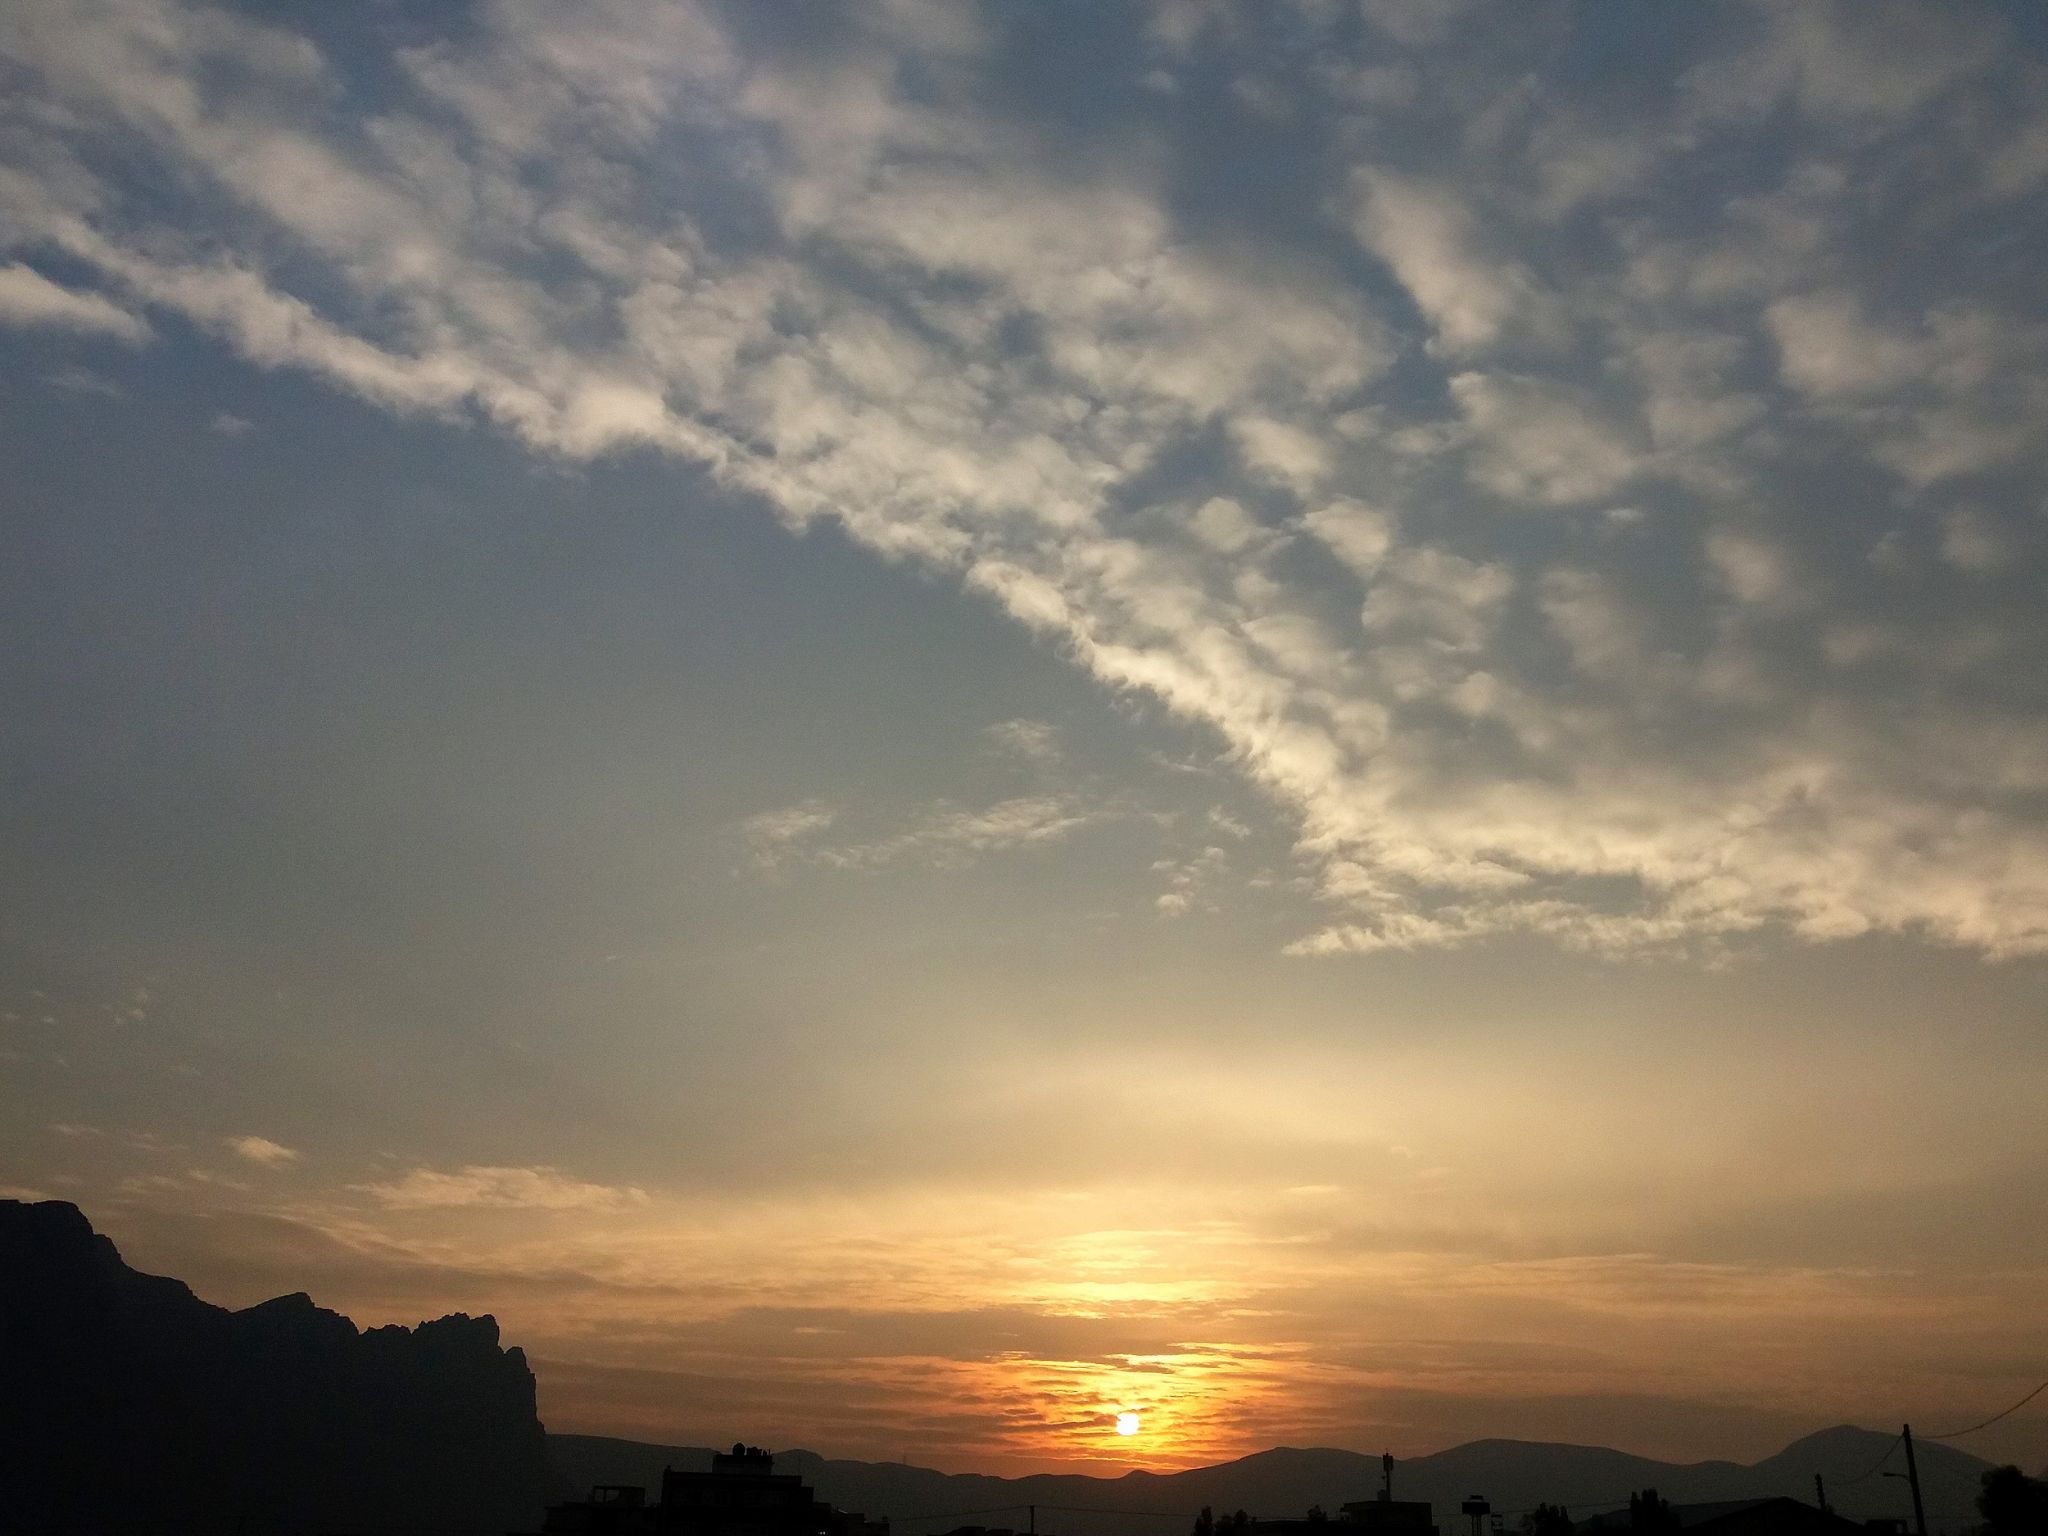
<point>1547,1520</point>
<point>1649,1515</point>
<point>2012,1503</point>
<point>1206,1523</point>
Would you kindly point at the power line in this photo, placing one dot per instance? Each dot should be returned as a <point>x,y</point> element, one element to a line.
<point>1148,1514</point>
<point>2015,1408</point>
<point>962,1514</point>
<point>1872,1472</point>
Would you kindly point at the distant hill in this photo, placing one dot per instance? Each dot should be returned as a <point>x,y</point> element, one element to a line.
<point>127,1404</point>
<point>1514,1474</point>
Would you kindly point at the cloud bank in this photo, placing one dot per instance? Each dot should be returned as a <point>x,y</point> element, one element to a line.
<point>1606,506</point>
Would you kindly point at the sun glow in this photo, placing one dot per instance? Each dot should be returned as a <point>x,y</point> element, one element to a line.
<point>1127,1423</point>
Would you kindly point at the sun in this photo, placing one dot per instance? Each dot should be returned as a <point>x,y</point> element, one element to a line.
<point>1127,1423</point>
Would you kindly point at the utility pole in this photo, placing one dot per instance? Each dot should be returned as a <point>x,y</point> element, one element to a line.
<point>1913,1478</point>
<point>1034,1519</point>
<point>1820,1493</point>
<point>1387,1478</point>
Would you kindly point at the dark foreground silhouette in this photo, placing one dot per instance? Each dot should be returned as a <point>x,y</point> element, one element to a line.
<point>1517,1475</point>
<point>129,1405</point>
<point>742,1495</point>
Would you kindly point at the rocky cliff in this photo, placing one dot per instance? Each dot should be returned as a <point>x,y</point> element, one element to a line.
<point>128,1404</point>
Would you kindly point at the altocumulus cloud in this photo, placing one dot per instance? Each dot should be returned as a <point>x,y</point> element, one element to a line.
<point>1772,298</point>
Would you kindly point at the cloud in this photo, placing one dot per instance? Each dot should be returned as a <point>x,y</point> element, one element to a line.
<point>1607,638</point>
<point>258,1149</point>
<point>944,835</point>
<point>540,1189</point>
<point>774,836</point>
<point>1190,882</point>
<point>2020,164</point>
<point>27,298</point>
<point>1753,570</point>
<point>1417,23</point>
<point>1431,240</point>
<point>1192,444</point>
<point>1357,534</point>
<point>1830,349</point>
<point>1437,596</point>
<point>1972,542</point>
<point>228,424</point>
<point>1542,443</point>
<point>1225,526</point>
<point>1030,741</point>
<point>136,1141</point>
<point>74,380</point>
<point>1867,62</point>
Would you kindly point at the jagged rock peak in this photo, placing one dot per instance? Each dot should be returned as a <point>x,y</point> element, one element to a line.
<point>124,1391</point>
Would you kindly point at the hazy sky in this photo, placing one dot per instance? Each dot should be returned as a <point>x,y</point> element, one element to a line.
<point>910,722</point>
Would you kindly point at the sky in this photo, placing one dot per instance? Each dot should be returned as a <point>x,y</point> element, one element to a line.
<point>911,723</point>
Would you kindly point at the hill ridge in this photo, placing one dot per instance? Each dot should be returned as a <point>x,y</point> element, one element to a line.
<point>1286,1480</point>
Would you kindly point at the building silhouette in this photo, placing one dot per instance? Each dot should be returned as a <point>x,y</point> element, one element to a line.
<point>1740,1517</point>
<point>742,1495</point>
<point>1380,1515</point>
<point>1385,1516</point>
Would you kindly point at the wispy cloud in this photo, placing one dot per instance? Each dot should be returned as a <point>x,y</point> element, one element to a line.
<point>131,1140</point>
<point>949,834</point>
<point>544,1189</point>
<point>940,834</point>
<point>74,380</point>
<point>27,298</point>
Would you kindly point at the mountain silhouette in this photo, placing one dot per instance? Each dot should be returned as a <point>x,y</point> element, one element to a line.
<point>1515,1475</point>
<point>127,1404</point>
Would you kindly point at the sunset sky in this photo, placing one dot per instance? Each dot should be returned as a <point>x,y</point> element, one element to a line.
<point>910,723</point>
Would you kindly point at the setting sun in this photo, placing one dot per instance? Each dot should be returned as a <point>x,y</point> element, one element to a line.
<point>1127,1423</point>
